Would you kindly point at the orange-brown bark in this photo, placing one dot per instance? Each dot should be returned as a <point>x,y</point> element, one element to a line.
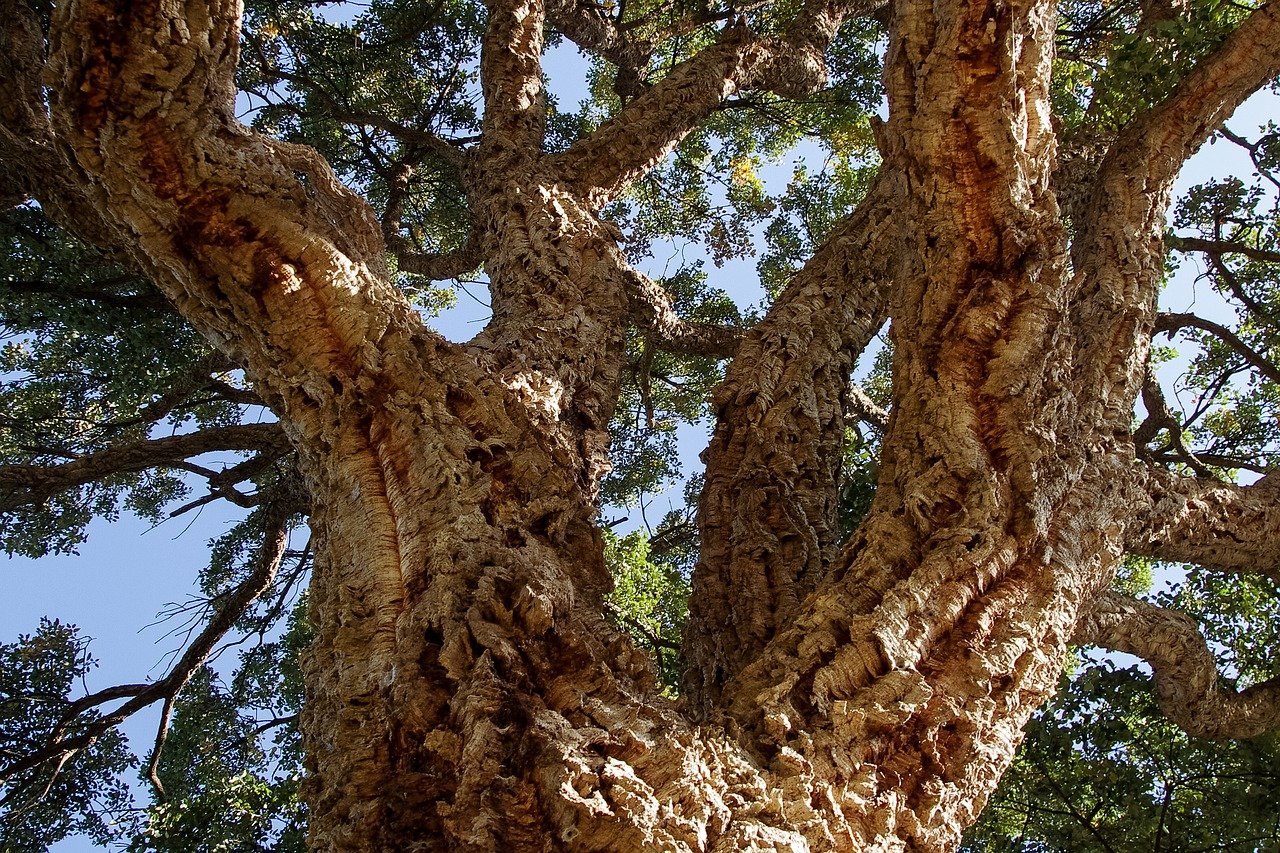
<point>465,691</point>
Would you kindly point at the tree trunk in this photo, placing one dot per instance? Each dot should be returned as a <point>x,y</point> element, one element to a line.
<point>465,691</point>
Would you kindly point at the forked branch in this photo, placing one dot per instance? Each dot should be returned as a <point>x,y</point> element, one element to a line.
<point>1173,322</point>
<point>73,734</point>
<point>438,266</point>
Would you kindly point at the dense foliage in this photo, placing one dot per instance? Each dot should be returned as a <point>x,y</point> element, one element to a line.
<point>95,363</point>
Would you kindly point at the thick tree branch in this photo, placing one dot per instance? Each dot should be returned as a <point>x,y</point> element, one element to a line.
<point>1187,680</point>
<point>590,27</point>
<point>865,409</point>
<point>606,162</point>
<point>1172,131</point>
<point>1118,254</point>
<point>600,166</point>
<point>767,513</point>
<point>31,166</point>
<point>1216,525</point>
<point>255,241</point>
<point>26,484</point>
<point>511,79</point>
<point>25,135</point>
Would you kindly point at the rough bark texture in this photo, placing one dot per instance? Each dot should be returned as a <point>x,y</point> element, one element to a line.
<point>465,692</point>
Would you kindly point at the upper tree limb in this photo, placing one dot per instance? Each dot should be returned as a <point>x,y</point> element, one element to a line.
<point>767,513</point>
<point>1118,253</point>
<point>254,241</point>
<point>1224,528</point>
<point>590,27</point>
<point>31,165</point>
<point>602,165</point>
<point>511,79</point>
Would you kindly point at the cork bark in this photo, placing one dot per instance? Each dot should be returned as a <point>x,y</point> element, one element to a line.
<point>465,692</point>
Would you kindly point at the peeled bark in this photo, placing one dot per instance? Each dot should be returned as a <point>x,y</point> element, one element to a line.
<point>465,691</point>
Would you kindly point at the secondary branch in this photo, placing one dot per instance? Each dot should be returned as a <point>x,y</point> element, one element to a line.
<point>1118,254</point>
<point>1216,525</point>
<point>602,165</point>
<point>511,79</point>
<point>73,735</point>
<point>1187,680</point>
<point>27,484</point>
<point>767,514</point>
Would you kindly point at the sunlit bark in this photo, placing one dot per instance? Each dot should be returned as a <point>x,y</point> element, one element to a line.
<point>465,691</point>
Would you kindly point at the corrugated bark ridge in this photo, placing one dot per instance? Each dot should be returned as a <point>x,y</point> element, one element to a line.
<point>465,691</point>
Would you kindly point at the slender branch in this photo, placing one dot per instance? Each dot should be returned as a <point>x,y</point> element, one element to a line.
<point>1228,275</point>
<point>26,484</point>
<point>443,265</point>
<point>1256,153</point>
<point>1173,322</point>
<point>147,300</point>
<point>1188,684</point>
<point>200,377</point>
<point>276,722</point>
<point>62,745</point>
<point>1218,460</point>
<point>603,164</point>
<point>1159,417</point>
<point>157,747</point>
<point>332,107</point>
<point>1217,525</point>
<point>1218,248</point>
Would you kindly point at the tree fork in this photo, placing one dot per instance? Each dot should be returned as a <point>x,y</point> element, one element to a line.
<point>464,690</point>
